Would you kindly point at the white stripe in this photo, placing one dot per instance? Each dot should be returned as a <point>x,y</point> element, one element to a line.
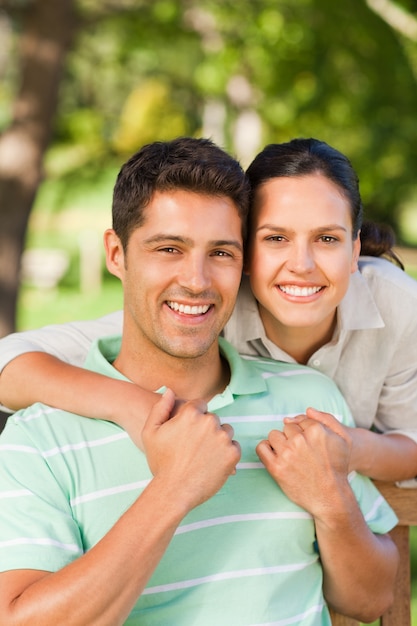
<point>371,514</point>
<point>16,493</point>
<point>351,475</point>
<point>33,416</point>
<point>81,445</point>
<point>230,419</point>
<point>295,619</point>
<point>15,448</point>
<point>288,374</point>
<point>70,547</point>
<point>253,465</point>
<point>259,571</point>
<point>250,517</point>
<point>111,491</point>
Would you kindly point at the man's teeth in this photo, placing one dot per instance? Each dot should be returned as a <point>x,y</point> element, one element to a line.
<point>293,290</point>
<point>187,309</point>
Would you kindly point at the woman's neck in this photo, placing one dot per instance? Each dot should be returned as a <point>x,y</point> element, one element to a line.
<point>300,342</point>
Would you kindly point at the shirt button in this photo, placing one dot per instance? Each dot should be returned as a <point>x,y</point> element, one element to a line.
<point>316,362</point>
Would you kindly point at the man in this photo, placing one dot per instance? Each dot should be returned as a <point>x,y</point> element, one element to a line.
<point>189,528</point>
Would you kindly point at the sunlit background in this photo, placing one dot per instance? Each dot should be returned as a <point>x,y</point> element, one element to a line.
<point>244,73</point>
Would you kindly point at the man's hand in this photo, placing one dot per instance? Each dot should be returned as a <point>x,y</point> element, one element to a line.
<point>190,450</point>
<point>308,459</point>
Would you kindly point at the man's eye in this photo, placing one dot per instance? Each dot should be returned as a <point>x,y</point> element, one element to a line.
<point>328,239</point>
<point>168,249</point>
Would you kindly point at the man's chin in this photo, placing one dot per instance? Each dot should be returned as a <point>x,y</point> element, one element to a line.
<point>188,350</point>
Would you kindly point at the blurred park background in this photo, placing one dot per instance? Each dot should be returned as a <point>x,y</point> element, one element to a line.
<point>85,83</point>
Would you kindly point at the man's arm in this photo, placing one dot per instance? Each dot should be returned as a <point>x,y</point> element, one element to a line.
<point>310,462</point>
<point>191,457</point>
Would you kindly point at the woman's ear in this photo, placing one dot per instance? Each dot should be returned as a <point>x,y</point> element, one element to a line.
<point>356,253</point>
<point>115,258</point>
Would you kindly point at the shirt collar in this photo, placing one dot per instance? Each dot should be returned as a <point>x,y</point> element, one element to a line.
<point>358,309</point>
<point>244,379</point>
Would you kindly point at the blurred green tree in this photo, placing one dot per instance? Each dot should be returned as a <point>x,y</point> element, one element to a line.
<point>245,73</point>
<point>46,29</point>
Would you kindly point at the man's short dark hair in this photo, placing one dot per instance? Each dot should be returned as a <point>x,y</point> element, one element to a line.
<point>186,163</point>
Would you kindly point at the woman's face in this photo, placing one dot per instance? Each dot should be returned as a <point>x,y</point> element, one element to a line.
<point>301,252</point>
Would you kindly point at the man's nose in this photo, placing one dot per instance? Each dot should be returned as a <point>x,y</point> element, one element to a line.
<point>195,274</point>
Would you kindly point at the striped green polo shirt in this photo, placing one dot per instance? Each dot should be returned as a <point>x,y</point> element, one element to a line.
<point>247,557</point>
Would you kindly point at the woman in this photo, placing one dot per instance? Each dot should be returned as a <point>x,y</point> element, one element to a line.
<point>308,298</point>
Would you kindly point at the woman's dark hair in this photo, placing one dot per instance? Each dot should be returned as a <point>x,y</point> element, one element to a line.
<point>300,157</point>
<point>379,240</point>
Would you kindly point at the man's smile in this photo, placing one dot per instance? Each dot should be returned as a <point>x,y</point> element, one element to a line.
<point>188,309</point>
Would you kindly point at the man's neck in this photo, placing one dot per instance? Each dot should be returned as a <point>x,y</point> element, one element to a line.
<point>189,378</point>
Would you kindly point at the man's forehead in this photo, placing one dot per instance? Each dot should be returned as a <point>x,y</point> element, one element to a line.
<point>184,201</point>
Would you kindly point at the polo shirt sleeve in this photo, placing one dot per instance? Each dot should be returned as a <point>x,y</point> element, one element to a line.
<point>37,529</point>
<point>378,514</point>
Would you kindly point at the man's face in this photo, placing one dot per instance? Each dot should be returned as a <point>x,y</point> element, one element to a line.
<point>180,273</point>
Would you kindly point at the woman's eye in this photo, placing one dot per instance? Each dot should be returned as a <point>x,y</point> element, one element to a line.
<point>277,238</point>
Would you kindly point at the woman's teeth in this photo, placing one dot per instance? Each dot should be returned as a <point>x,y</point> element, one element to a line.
<point>293,290</point>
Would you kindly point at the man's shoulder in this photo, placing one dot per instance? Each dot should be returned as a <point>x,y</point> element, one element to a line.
<point>273,370</point>
<point>290,388</point>
<point>269,367</point>
<point>43,428</point>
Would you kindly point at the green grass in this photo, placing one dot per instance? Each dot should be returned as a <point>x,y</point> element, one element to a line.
<point>64,304</point>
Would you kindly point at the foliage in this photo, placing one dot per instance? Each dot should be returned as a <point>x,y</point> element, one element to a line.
<point>146,70</point>
<point>245,73</point>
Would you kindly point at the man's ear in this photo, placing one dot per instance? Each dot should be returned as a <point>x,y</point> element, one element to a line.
<point>115,258</point>
<point>356,253</point>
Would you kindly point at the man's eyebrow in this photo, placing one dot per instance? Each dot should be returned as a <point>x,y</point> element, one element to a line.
<point>227,242</point>
<point>283,229</point>
<point>169,237</point>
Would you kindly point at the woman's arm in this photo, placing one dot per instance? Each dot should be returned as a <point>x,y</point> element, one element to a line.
<point>39,377</point>
<point>68,342</point>
<point>44,366</point>
<point>391,457</point>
